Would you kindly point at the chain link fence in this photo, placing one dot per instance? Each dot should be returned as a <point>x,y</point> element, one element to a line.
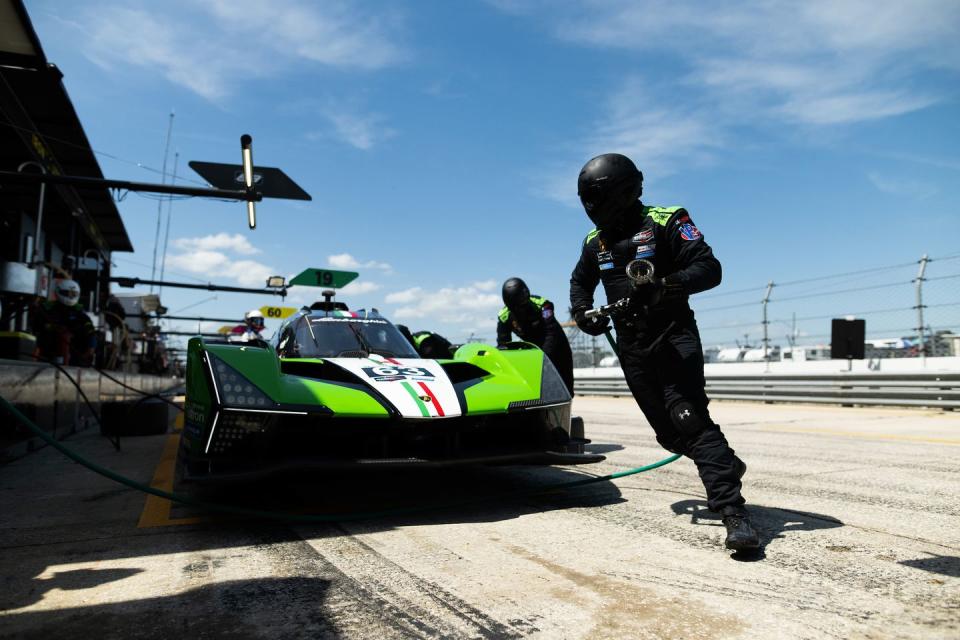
<point>910,309</point>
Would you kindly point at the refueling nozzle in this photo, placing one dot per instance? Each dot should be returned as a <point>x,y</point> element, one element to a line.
<point>640,272</point>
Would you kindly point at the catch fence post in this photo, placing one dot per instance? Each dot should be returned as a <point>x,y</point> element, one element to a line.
<point>766,325</point>
<point>922,343</point>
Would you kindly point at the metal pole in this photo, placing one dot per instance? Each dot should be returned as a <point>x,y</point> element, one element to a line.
<point>193,318</point>
<point>163,180</point>
<point>126,185</point>
<point>923,347</point>
<point>132,282</point>
<point>766,323</point>
<point>166,236</point>
<point>43,194</point>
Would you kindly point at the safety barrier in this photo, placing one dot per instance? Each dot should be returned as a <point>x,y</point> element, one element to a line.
<point>921,389</point>
<point>45,394</point>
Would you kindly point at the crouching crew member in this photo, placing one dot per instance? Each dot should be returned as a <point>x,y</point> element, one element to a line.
<point>532,318</point>
<point>432,346</point>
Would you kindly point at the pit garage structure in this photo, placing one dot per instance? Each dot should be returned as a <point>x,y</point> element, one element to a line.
<point>74,231</point>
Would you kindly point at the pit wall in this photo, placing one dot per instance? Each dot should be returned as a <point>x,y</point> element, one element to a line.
<point>45,395</point>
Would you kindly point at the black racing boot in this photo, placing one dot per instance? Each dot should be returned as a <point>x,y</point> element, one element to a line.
<point>741,536</point>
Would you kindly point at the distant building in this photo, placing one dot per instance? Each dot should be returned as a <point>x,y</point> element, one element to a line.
<point>730,354</point>
<point>805,353</point>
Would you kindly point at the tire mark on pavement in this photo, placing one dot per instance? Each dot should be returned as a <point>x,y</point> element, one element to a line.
<point>364,612</point>
<point>373,571</point>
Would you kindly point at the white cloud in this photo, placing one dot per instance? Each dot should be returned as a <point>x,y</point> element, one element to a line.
<point>815,62</point>
<point>359,287</point>
<point>347,261</point>
<point>656,136</point>
<point>902,187</point>
<point>361,131</point>
<point>236,243</point>
<point>819,63</point>
<point>198,256</point>
<point>470,304</point>
<point>210,47</point>
<point>404,297</point>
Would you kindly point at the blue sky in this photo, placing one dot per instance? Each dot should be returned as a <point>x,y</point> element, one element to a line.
<point>441,141</point>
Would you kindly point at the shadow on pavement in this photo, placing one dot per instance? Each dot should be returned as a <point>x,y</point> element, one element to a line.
<point>380,499</point>
<point>770,522</point>
<point>433,497</point>
<point>944,565</point>
<point>264,607</point>
<point>66,580</point>
<point>259,608</point>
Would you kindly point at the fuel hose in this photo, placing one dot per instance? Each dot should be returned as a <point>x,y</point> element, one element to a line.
<point>308,518</point>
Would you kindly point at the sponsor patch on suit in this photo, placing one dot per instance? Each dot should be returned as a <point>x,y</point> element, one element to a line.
<point>689,232</point>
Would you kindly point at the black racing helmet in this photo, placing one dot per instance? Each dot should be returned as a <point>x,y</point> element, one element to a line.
<point>608,186</point>
<point>515,293</point>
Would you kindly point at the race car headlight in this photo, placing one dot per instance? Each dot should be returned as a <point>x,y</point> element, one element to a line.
<point>552,388</point>
<point>233,390</point>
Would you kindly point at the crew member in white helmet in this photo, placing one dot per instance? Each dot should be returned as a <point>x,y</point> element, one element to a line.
<point>250,329</point>
<point>64,332</point>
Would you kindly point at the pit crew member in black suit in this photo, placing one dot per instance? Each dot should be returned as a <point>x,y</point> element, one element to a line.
<point>533,319</point>
<point>657,337</point>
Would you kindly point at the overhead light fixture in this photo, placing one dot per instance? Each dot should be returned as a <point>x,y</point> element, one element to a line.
<point>276,282</point>
<point>246,151</point>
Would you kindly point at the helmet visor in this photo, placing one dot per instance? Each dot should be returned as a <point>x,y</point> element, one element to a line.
<point>606,202</point>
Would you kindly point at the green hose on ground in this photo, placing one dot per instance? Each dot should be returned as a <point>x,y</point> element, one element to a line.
<point>275,515</point>
<point>613,343</point>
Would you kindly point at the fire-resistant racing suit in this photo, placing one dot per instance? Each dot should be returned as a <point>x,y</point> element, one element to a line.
<point>659,344</point>
<point>537,323</point>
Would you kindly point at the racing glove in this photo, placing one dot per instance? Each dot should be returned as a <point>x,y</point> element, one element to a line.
<point>667,291</point>
<point>590,326</point>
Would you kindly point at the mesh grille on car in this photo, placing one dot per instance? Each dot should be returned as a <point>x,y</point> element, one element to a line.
<point>523,404</point>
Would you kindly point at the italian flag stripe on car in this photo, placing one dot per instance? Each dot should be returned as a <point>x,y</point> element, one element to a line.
<point>436,403</point>
<point>416,398</point>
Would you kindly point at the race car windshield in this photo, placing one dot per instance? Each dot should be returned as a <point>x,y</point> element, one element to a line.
<point>350,337</point>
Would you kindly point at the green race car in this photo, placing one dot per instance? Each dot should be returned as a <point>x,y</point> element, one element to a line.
<point>336,388</point>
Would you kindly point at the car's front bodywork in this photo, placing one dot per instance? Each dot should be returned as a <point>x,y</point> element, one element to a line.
<point>336,389</point>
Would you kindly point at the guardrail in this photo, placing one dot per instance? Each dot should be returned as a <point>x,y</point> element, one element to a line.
<point>920,389</point>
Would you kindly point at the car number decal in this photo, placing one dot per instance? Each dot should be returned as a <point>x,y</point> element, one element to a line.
<point>415,387</point>
<point>383,372</point>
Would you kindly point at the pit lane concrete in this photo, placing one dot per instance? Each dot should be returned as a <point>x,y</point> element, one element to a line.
<point>859,511</point>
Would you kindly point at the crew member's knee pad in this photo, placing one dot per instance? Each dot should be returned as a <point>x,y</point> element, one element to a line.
<point>688,420</point>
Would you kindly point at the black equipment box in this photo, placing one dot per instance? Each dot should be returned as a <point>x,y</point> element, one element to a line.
<point>847,339</point>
